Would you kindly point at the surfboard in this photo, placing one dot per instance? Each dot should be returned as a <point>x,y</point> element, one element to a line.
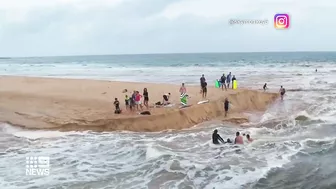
<point>168,105</point>
<point>184,99</point>
<point>217,84</point>
<point>202,102</point>
<point>184,106</point>
<point>234,84</point>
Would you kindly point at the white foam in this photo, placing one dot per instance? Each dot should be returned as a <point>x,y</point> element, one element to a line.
<point>152,152</point>
<point>35,134</point>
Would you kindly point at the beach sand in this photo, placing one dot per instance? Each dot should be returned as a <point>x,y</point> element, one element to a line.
<point>78,104</point>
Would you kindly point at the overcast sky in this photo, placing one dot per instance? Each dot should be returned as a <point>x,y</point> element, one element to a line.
<point>85,27</point>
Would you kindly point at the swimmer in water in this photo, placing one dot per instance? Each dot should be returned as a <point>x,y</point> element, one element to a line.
<point>282,92</point>
<point>238,139</point>
<point>216,137</point>
<point>249,139</point>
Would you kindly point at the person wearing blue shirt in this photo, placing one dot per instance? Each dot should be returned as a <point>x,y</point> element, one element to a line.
<point>228,80</point>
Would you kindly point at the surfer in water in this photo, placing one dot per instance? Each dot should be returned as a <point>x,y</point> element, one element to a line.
<point>216,137</point>
<point>282,92</point>
<point>226,106</point>
<point>222,80</point>
<point>265,87</point>
<point>238,139</point>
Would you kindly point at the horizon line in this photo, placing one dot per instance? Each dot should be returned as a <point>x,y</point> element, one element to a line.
<point>168,53</point>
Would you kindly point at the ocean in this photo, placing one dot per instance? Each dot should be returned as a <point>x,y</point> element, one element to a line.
<point>294,143</point>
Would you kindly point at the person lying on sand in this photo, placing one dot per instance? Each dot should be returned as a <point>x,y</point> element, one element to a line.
<point>216,137</point>
<point>117,106</point>
<point>145,113</point>
<point>238,139</point>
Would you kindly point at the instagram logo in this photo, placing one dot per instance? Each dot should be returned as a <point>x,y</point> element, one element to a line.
<point>281,21</point>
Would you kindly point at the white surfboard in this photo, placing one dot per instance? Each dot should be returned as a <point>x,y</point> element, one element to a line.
<point>202,102</point>
<point>184,106</point>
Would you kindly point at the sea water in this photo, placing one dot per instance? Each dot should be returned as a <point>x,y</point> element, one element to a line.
<point>294,143</point>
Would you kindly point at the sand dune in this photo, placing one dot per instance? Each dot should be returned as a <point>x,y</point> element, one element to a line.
<point>70,104</point>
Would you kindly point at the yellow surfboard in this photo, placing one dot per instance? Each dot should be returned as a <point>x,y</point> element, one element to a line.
<point>234,84</point>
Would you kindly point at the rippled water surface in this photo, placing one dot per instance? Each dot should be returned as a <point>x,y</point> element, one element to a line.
<point>294,143</point>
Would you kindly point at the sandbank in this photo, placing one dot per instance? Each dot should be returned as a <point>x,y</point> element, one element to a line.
<point>80,104</point>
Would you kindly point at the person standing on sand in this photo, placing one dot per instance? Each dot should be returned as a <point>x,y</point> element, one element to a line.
<point>222,80</point>
<point>132,101</point>
<point>282,92</point>
<point>138,100</point>
<point>226,106</point>
<point>117,106</point>
<point>204,90</point>
<point>127,102</point>
<point>239,139</point>
<point>228,80</point>
<point>146,97</point>
<point>183,89</point>
<point>202,81</point>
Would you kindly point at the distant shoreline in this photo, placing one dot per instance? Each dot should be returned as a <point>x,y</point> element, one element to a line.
<point>163,53</point>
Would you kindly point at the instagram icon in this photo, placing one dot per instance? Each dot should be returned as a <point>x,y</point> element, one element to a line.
<point>281,21</point>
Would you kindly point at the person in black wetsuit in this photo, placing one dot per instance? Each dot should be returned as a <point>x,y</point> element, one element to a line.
<point>222,80</point>
<point>226,106</point>
<point>216,137</point>
<point>146,97</point>
<point>265,87</point>
<point>117,106</point>
<point>204,89</point>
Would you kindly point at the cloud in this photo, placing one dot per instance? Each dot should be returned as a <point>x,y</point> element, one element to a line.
<point>66,27</point>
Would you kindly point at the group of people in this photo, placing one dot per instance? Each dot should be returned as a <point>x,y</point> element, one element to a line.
<point>225,81</point>
<point>282,90</point>
<point>216,138</point>
<point>134,102</point>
